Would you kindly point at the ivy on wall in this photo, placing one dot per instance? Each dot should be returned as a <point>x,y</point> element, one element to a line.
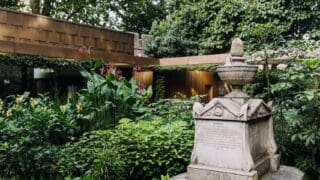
<point>60,63</point>
<point>197,67</point>
<point>44,62</point>
<point>159,86</point>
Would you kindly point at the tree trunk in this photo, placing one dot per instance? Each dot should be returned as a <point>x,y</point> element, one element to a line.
<point>266,69</point>
<point>35,6</point>
<point>47,6</point>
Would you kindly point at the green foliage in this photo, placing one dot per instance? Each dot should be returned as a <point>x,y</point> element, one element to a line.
<point>106,99</point>
<point>196,67</point>
<point>159,86</point>
<point>31,130</point>
<point>128,15</point>
<point>171,110</point>
<point>93,12</point>
<point>91,158</point>
<point>10,4</point>
<point>259,88</point>
<point>301,113</point>
<point>45,62</point>
<point>152,148</point>
<point>148,149</point>
<point>296,94</point>
<point>137,16</point>
<point>38,138</point>
<point>216,23</point>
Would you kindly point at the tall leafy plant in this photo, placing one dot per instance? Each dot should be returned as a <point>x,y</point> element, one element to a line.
<point>108,98</point>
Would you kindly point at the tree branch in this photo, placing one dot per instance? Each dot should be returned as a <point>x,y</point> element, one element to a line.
<point>75,12</point>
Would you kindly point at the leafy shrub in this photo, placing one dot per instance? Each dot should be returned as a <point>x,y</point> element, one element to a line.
<point>152,148</point>
<point>31,130</point>
<point>171,110</point>
<point>148,149</point>
<point>299,92</point>
<point>259,86</point>
<point>296,94</point>
<point>91,157</point>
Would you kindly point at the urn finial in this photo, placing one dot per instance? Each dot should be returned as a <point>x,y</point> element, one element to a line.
<point>237,48</point>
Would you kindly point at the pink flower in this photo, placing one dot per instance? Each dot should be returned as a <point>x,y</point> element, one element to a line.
<point>141,90</point>
<point>82,50</point>
<point>109,68</point>
<point>137,69</point>
<point>102,70</point>
<point>119,75</point>
<point>110,65</point>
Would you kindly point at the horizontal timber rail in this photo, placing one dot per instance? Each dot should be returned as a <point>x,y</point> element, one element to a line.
<point>193,60</point>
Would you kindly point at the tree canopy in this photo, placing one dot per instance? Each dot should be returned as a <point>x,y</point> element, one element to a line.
<point>10,3</point>
<point>127,15</point>
<point>207,26</point>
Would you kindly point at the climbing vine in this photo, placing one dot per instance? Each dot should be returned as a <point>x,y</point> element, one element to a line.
<point>45,62</point>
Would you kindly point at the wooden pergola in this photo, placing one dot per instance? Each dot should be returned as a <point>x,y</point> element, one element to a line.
<point>29,34</point>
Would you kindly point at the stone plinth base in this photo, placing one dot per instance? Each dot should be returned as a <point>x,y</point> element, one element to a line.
<point>200,172</point>
<point>284,173</point>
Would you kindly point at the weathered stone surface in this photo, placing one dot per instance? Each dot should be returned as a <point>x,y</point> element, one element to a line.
<point>220,144</point>
<point>284,173</point>
<point>232,109</point>
<point>182,176</point>
<point>201,172</point>
<point>237,48</point>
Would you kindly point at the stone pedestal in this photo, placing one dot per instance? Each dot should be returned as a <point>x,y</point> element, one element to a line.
<point>284,173</point>
<point>233,140</point>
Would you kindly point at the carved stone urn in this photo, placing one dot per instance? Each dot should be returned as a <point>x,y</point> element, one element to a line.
<point>236,72</point>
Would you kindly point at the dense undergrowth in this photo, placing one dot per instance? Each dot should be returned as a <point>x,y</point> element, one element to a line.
<point>90,137</point>
<point>98,136</point>
<point>296,95</point>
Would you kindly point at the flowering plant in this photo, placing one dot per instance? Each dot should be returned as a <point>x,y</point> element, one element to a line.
<point>30,129</point>
<point>109,97</point>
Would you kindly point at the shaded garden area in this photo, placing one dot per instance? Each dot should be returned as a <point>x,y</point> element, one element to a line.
<point>111,130</point>
<point>115,127</point>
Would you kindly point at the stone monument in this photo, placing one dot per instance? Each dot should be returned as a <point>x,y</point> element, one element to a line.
<point>234,137</point>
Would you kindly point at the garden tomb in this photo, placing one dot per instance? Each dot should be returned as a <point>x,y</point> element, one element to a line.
<point>234,138</point>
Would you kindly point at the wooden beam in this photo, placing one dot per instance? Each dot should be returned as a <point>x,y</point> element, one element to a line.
<point>191,60</point>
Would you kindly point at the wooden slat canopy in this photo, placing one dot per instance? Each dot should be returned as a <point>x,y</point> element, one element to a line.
<point>29,34</point>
